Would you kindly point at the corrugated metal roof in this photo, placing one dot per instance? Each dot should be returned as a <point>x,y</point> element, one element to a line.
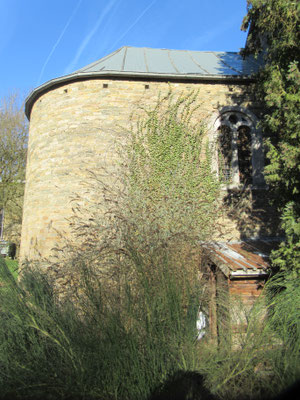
<point>146,63</point>
<point>177,62</point>
<point>242,259</point>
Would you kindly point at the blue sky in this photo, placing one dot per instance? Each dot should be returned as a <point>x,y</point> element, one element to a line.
<point>44,39</point>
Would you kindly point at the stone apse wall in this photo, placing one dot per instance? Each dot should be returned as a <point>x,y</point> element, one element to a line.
<point>73,128</point>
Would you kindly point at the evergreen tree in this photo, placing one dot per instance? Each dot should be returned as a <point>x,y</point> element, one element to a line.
<point>274,36</point>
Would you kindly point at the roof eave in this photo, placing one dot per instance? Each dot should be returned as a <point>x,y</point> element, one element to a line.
<point>252,275</point>
<point>36,93</point>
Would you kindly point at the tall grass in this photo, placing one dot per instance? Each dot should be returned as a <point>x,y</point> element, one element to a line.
<point>104,347</point>
<point>263,357</point>
<point>284,320</point>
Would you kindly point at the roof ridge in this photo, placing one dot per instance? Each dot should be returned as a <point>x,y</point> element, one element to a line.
<point>124,58</point>
<point>166,49</point>
<point>99,60</point>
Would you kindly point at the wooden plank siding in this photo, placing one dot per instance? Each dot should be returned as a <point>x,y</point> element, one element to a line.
<point>247,289</point>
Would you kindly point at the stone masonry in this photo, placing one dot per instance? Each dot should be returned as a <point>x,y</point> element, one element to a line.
<point>73,128</point>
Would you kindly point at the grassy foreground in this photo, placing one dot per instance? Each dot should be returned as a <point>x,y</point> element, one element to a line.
<point>12,265</point>
<point>139,346</point>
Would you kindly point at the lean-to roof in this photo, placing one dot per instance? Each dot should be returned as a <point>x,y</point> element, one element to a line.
<point>244,259</point>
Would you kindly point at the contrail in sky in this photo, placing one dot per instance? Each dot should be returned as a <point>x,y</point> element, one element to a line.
<point>58,40</point>
<point>87,39</point>
<point>133,24</point>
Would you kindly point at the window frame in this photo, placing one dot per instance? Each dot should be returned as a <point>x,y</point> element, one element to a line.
<point>244,118</point>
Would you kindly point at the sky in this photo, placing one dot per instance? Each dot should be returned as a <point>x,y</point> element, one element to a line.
<point>44,39</point>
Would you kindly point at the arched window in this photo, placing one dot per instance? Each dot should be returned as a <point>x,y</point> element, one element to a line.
<point>225,152</point>
<point>239,148</point>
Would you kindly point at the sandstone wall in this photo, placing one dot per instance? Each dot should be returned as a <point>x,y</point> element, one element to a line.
<point>73,128</point>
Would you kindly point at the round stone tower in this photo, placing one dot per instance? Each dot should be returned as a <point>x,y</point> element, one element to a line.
<point>75,120</point>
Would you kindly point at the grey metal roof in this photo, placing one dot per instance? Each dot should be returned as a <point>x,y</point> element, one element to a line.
<point>147,63</point>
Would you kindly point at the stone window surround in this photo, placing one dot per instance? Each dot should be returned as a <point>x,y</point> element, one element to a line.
<point>251,121</point>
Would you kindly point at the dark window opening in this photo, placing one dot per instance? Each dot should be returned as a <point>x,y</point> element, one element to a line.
<point>225,152</point>
<point>244,154</point>
<point>233,119</point>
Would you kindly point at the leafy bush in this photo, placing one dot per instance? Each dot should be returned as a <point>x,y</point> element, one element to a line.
<point>274,37</point>
<point>287,257</point>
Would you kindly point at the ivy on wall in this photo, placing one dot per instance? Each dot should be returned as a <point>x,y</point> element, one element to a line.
<point>169,167</point>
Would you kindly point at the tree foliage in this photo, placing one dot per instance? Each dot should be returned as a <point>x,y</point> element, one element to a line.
<point>13,150</point>
<point>274,36</point>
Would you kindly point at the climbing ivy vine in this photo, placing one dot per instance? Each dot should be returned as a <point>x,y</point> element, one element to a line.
<point>169,167</point>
